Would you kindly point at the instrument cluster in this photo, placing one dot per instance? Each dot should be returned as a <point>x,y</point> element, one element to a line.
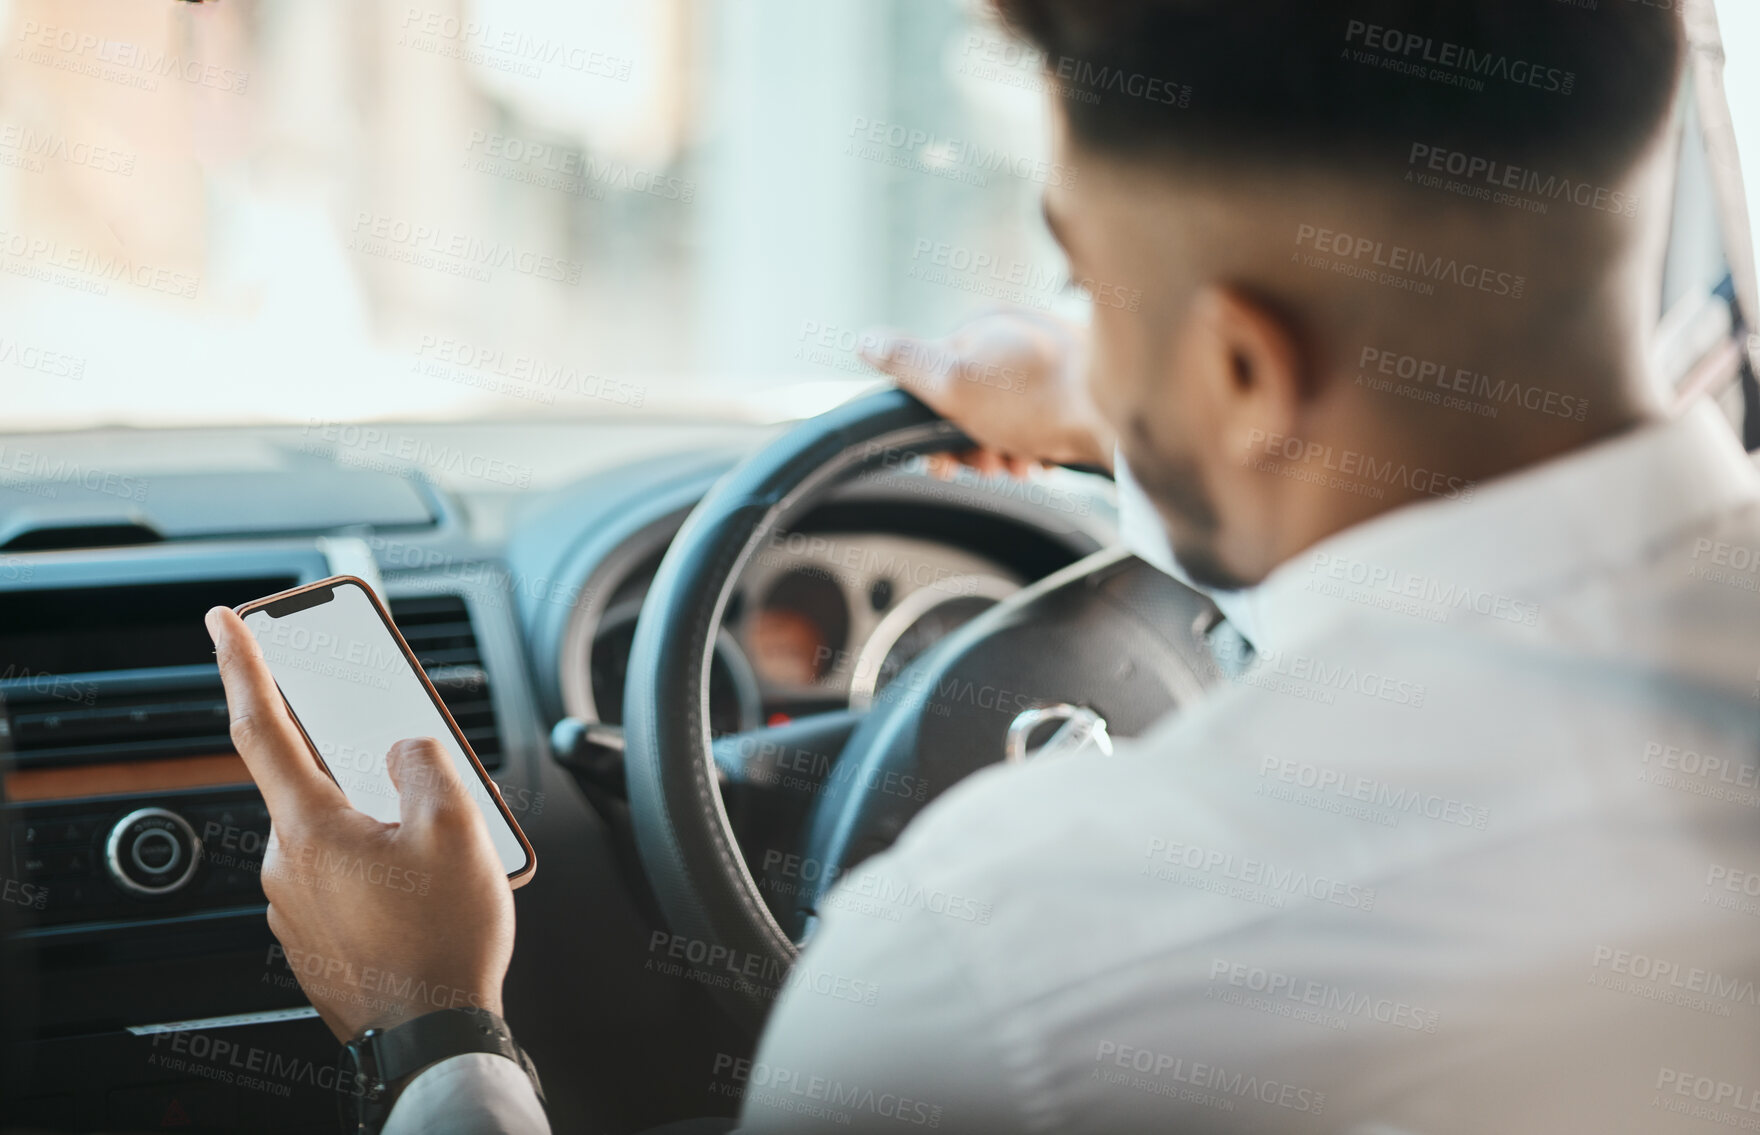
<point>818,621</point>
<point>828,619</point>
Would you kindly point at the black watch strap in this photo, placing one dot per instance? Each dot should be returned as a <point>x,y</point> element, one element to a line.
<point>383,1061</point>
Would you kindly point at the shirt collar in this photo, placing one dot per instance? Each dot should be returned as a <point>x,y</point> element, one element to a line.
<point>1595,506</point>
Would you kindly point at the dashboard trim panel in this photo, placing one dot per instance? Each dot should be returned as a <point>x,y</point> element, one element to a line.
<point>125,778</point>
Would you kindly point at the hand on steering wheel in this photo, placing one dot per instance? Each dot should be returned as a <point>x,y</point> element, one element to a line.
<point>1013,379</point>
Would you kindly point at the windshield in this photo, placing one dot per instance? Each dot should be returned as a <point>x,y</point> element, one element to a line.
<point>297,210</point>
<point>288,210</point>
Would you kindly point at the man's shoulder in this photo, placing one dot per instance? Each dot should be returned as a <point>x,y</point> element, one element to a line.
<point>1096,877</point>
<point>1064,843</point>
<point>1011,819</point>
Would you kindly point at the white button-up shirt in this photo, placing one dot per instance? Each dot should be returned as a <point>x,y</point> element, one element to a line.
<point>1473,847</point>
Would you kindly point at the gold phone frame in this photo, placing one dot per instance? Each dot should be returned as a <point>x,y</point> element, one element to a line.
<point>515,879</point>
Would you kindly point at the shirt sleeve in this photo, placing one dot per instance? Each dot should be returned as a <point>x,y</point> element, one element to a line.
<point>475,1094</point>
<point>878,1027</point>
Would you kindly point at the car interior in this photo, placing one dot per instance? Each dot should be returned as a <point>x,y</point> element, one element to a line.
<point>544,319</point>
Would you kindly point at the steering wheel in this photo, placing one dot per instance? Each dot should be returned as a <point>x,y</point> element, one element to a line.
<point>1107,639</point>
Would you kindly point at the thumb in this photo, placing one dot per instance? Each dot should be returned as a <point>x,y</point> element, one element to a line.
<point>428,785</point>
<point>920,366</point>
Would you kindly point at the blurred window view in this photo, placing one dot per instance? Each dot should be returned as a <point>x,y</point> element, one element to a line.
<point>296,210</point>
<point>287,210</point>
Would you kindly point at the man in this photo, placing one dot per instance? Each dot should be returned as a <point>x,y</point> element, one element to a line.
<point>1456,852</point>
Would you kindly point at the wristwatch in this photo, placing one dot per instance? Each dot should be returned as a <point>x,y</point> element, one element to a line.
<point>380,1063</point>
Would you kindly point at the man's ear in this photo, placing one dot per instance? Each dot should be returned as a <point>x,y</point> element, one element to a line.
<point>1249,366</point>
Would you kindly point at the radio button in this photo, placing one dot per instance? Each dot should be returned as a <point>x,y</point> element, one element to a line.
<point>152,851</point>
<point>39,833</point>
<point>76,861</point>
<point>155,851</point>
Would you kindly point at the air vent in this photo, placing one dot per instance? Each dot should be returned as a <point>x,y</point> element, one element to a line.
<point>174,711</point>
<point>438,630</point>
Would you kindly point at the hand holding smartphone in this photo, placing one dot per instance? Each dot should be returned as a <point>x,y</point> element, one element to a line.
<point>354,689</point>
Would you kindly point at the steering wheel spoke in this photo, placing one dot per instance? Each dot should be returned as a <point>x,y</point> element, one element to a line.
<point>770,780</point>
<point>793,758</point>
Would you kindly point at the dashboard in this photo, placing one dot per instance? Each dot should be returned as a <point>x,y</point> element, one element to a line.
<point>134,911</point>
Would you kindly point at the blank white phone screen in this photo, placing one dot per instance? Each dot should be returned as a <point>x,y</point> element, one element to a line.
<point>354,692</point>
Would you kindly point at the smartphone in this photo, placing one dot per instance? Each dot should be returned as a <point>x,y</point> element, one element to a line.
<point>354,689</point>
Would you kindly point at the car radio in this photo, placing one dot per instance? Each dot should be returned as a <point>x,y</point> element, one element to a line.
<point>131,857</point>
<point>125,802</point>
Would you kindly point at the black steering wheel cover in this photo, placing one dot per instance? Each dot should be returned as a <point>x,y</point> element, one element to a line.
<point>687,845</point>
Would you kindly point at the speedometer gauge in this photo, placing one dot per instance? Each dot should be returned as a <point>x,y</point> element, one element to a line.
<point>801,624</point>
<point>924,618</point>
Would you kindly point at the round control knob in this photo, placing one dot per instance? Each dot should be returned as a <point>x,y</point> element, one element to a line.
<point>152,851</point>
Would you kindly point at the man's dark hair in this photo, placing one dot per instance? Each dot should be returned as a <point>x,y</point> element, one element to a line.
<point>1576,88</point>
